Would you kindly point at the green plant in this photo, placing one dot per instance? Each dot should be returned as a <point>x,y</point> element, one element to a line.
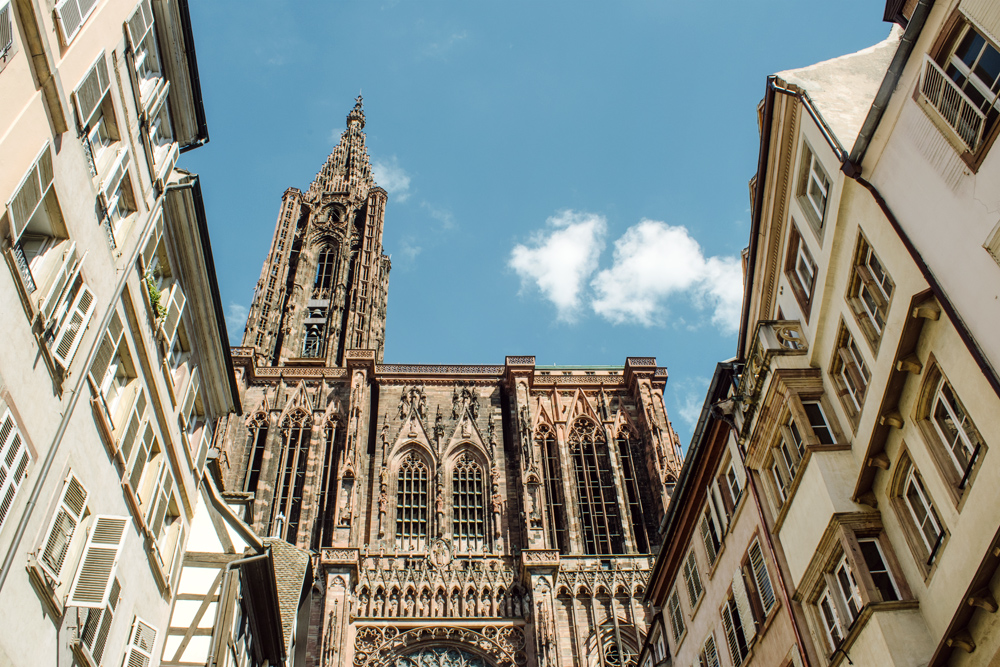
<point>154,296</point>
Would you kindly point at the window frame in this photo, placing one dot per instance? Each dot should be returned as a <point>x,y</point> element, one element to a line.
<point>811,167</point>
<point>851,373</point>
<point>692,579</point>
<point>799,250</point>
<point>864,281</point>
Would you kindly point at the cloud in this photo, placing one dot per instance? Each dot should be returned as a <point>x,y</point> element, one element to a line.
<point>690,394</point>
<point>442,47</point>
<point>442,215</point>
<point>654,261</point>
<point>236,320</point>
<point>559,260</point>
<point>392,177</point>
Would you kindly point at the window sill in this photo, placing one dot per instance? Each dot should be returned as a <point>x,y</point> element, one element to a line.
<point>862,621</point>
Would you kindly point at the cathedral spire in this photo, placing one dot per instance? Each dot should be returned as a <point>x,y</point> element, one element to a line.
<point>348,169</point>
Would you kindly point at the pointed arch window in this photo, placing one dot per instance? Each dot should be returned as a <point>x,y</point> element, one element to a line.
<point>546,441</point>
<point>634,478</point>
<point>324,271</point>
<point>411,504</point>
<point>327,490</point>
<point>312,341</point>
<point>297,431</point>
<point>595,489</point>
<point>256,439</point>
<point>468,505</point>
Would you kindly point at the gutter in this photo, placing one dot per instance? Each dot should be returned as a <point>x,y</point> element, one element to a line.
<point>192,60</point>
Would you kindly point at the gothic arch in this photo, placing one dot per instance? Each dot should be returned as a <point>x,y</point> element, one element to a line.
<point>634,477</point>
<point>257,428</point>
<point>413,482</point>
<point>552,469</point>
<point>597,501</point>
<point>296,433</point>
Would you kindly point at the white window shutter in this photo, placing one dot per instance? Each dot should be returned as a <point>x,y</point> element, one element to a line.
<point>706,538</point>
<point>720,507</point>
<point>204,443</point>
<point>91,91</point>
<point>175,308</point>
<point>743,605</point>
<point>14,460</point>
<point>190,396</point>
<point>69,18</point>
<point>731,640</point>
<point>30,192</point>
<point>133,423</point>
<point>713,510</point>
<point>139,23</point>
<point>178,559</point>
<point>69,513</point>
<point>163,494</point>
<point>99,563</point>
<point>761,577</point>
<point>118,173</point>
<point>149,250</point>
<point>6,29</point>
<point>94,634</point>
<point>67,339</point>
<point>141,456</point>
<point>141,641</point>
<point>68,270</point>
<point>106,352</point>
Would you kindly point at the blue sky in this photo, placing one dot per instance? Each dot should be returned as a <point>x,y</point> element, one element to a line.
<point>566,179</point>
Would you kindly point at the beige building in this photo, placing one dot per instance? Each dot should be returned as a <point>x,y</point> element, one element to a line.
<point>113,367</point>
<point>868,432</point>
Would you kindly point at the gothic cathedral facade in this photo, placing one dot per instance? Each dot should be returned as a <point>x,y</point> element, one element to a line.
<point>466,515</point>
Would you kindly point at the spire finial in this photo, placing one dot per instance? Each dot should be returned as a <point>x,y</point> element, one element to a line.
<point>357,113</point>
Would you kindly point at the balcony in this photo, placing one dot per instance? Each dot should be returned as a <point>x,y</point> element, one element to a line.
<point>772,338</point>
<point>953,105</point>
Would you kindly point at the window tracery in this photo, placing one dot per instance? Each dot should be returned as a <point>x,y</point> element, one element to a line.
<point>468,505</point>
<point>324,273</point>
<point>546,441</point>
<point>596,498</point>
<point>439,657</point>
<point>256,438</point>
<point>633,475</point>
<point>297,431</point>
<point>328,486</point>
<point>411,504</point>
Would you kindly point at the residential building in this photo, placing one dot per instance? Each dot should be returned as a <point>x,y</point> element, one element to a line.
<point>459,514</point>
<point>113,369</point>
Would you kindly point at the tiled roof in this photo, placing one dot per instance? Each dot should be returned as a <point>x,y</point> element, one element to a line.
<point>291,565</point>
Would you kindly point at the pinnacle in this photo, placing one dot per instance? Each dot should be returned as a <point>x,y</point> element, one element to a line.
<point>348,169</point>
<point>357,113</point>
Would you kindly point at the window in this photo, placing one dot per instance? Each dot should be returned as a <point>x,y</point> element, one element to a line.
<point>96,624</point>
<point>297,431</point>
<point>734,484</point>
<point>709,656</point>
<point>6,33</point>
<point>596,496</point>
<point>874,558</point>
<point>869,292</point>
<point>145,55</point>
<point>411,504</point>
<point>955,429</point>
<point>70,320</point>
<point>112,368</point>
<point>69,514</point>
<point>159,131</point>
<point>634,476</point>
<point>923,515</point>
<point>468,505</point>
<point>850,373</point>
<point>256,438</point>
<point>800,268</point>
<point>817,422</point>
<point>961,86</point>
<point>813,187</point>
<point>14,460</point>
<point>70,15</point>
<point>546,441</point>
<point>831,621</point>
<point>737,623</point>
<point>96,114</point>
<point>692,579</point>
<point>847,588</point>
<point>325,265</point>
<point>94,579</point>
<point>676,616</point>
<point>710,536</point>
<point>761,579</point>
<point>117,197</point>
<point>141,641</point>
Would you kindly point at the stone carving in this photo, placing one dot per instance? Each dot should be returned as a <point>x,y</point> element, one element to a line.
<point>439,646</point>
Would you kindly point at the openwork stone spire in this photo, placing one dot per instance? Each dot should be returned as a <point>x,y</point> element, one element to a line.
<point>348,169</point>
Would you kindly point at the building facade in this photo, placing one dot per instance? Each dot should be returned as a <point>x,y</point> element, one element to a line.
<point>112,369</point>
<point>462,515</point>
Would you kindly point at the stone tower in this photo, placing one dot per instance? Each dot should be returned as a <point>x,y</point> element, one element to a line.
<point>324,285</point>
<point>474,515</point>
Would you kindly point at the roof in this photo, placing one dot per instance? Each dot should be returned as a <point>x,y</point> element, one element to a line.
<point>291,567</point>
<point>843,89</point>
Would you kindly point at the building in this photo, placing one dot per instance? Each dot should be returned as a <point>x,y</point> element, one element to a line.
<point>113,369</point>
<point>866,398</point>
<point>476,515</point>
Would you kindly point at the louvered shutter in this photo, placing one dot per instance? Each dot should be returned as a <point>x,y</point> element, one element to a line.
<point>720,507</point>
<point>106,352</point>
<point>743,605</point>
<point>178,559</point>
<point>67,339</point>
<point>138,462</point>
<point>71,14</point>
<point>760,576</point>
<point>190,396</point>
<point>118,173</point>
<point>149,250</point>
<point>163,494</point>
<point>65,276</point>
<point>14,460</point>
<point>6,30</point>
<point>30,193</point>
<point>95,630</point>
<point>141,641</point>
<point>99,563</point>
<point>69,513</point>
<point>706,537</point>
<point>175,308</point>
<point>91,91</point>
<point>711,652</point>
<point>131,431</point>
<point>139,24</point>
<point>205,442</point>
<point>731,640</point>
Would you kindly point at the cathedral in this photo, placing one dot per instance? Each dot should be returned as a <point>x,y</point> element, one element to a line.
<point>457,515</point>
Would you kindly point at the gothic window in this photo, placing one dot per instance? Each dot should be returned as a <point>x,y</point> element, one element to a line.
<point>440,657</point>
<point>468,505</point>
<point>633,475</point>
<point>602,532</point>
<point>256,438</point>
<point>297,431</point>
<point>324,272</point>
<point>411,504</point>
<point>546,440</point>
<point>312,344</point>
<point>327,490</point>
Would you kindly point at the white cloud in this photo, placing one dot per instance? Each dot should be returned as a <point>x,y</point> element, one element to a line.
<point>442,215</point>
<point>236,320</point>
<point>654,261</point>
<point>690,398</point>
<point>392,177</point>
<point>561,258</point>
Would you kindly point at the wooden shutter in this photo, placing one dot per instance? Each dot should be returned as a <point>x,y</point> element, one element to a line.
<point>761,578</point>
<point>118,173</point>
<point>70,14</point>
<point>711,652</point>
<point>91,91</point>
<point>75,322</point>
<point>731,640</point>
<point>106,352</point>
<point>205,442</point>
<point>69,513</point>
<point>139,24</point>
<point>99,563</point>
<point>190,396</point>
<point>160,500</point>
<point>149,250</point>
<point>6,30</point>
<point>743,605</point>
<point>30,193</point>
<point>175,308</point>
<point>141,641</point>
<point>142,454</point>
<point>132,425</point>
<point>94,634</point>
<point>14,460</point>
<point>706,537</point>
<point>178,559</point>
<point>65,276</point>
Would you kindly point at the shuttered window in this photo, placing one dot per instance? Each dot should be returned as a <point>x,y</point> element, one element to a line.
<point>761,578</point>
<point>709,653</point>
<point>31,192</point>
<point>742,600</point>
<point>70,15</point>
<point>92,585</point>
<point>735,639</point>
<point>6,30</point>
<point>91,92</point>
<point>126,443</point>
<point>69,513</point>
<point>188,415</point>
<point>676,616</point>
<point>174,309</point>
<point>72,323</point>
<point>691,578</point>
<point>141,641</point>
<point>160,499</point>
<point>97,624</point>
<point>709,537</point>
<point>14,460</point>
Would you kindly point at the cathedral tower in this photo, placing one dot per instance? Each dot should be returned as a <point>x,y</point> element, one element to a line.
<point>476,515</point>
<point>324,285</point>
